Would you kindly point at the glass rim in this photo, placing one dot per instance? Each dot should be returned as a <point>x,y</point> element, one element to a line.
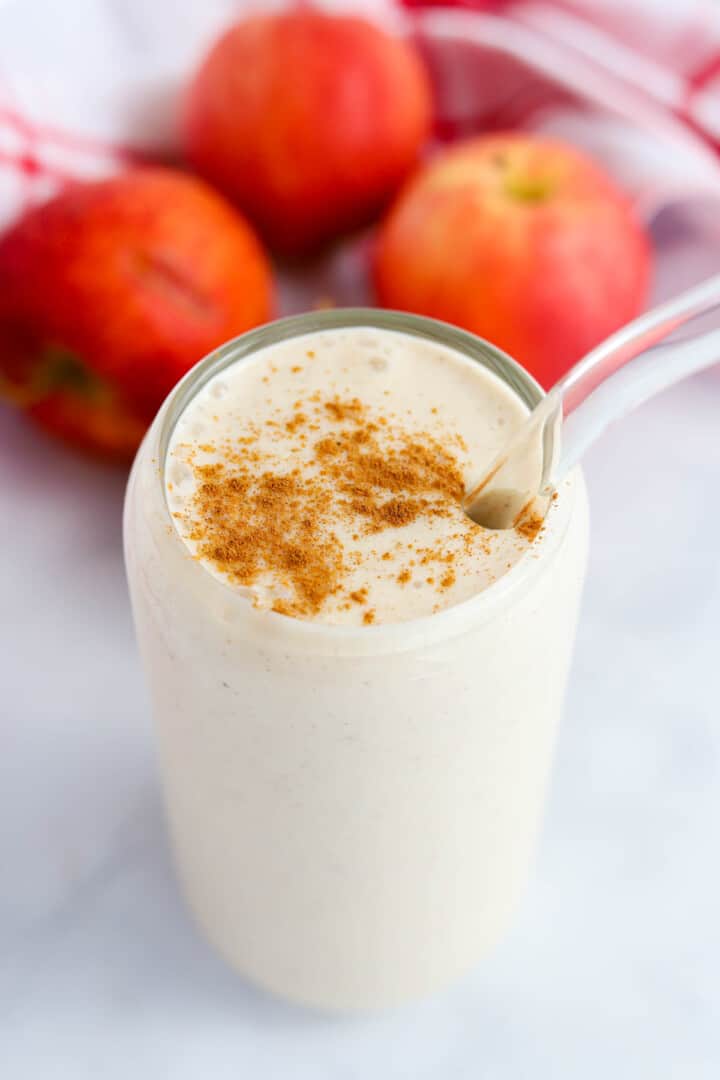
<point>475,608</point>
<point>476,348</point>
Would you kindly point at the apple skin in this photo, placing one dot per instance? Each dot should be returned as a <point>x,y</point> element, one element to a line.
<point>111,291</point>
<point>521,240</point>
<point>308,122</point>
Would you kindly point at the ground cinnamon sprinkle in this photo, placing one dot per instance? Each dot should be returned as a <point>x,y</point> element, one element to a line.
<point>397,512</point>
<point>246,525</point>
<point>295,422</point>
<point>448,580</point>
<point>341,410</point>
<point>365,468</point>
<point>529,526</point>
<point>258,520</point>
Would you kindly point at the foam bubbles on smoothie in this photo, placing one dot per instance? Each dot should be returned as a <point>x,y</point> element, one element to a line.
<point>218,389</point>
<point>179,475</point>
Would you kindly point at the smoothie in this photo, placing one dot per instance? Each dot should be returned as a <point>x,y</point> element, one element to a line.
<point>355,688</point>
<point>323,477</point>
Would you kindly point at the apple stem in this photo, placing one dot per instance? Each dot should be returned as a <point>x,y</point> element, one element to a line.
<point>58,369</point>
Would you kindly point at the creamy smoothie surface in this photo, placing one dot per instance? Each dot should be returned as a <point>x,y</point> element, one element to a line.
<point>323,476</point>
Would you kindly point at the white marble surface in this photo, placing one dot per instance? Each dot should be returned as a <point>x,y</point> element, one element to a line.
<point>612,968</point>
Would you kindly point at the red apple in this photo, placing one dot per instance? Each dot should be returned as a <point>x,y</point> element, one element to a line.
<point>522,240</point>
<point>309,122</point>
<point>111,291</point>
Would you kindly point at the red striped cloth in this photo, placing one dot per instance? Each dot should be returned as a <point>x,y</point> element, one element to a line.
<point>665,57</point>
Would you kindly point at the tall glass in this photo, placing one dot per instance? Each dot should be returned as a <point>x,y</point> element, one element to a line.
<point>353,809</point>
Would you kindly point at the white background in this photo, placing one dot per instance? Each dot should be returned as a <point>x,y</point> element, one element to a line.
<point>611,969</point>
